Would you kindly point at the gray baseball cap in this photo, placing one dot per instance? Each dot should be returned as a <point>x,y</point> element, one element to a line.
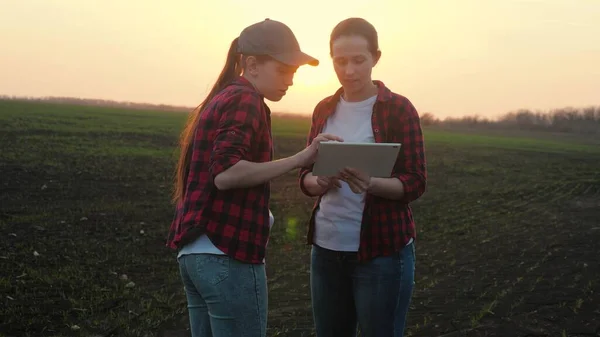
<point>275,39</point>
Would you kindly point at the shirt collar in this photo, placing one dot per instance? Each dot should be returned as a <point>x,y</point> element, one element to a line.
<point>244,82</point>
<point>383,94</point>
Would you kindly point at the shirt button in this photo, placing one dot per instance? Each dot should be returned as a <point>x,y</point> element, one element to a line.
<point>376,130</point>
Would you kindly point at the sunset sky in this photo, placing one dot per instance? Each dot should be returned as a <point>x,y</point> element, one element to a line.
<point>449,57</point>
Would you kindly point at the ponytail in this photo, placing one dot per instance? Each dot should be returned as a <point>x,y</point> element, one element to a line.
<point>231,70</point>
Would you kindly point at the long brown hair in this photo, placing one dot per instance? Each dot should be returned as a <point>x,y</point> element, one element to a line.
<point>230,71</point>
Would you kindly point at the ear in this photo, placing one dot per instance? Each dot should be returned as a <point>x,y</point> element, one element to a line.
<point>251,65</point>
<point>377,57</point>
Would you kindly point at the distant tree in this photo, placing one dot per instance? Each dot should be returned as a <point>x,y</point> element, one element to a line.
<point>428,119</point>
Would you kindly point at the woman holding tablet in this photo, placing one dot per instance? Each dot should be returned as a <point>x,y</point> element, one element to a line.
<point>361,229</point>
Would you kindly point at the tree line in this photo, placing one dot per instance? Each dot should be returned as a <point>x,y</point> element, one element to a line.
<point>99,102</point>
<point>568,119</point>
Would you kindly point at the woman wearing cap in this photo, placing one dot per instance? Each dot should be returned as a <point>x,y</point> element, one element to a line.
<point>222,220</point>
<point>362,230</point>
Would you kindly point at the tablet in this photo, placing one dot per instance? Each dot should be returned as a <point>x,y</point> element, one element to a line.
<point>377,159</point>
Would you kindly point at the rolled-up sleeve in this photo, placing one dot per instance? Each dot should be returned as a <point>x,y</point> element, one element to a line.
<point>238,125</point>
<point>411,167</point>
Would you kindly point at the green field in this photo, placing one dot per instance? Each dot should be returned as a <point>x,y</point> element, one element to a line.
<point>508,230</point>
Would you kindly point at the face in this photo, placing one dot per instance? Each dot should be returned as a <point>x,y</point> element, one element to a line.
<point>353,63</point>
<point>272,78</point>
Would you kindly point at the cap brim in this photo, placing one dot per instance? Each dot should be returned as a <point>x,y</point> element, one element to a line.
<point>297,59</point>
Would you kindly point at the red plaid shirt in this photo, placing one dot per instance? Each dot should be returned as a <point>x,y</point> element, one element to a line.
<point>387,225</point>
<point>235,125</point>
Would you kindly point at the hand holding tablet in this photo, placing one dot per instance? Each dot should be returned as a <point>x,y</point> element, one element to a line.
<point>357,180</point>
<point>328,182</point>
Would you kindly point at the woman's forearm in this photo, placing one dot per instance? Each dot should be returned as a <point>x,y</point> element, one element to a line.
<point>247,174</point>
<point>389,188</point>
<point>311,185</point>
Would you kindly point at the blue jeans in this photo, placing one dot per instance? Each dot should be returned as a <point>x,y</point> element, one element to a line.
<point>225,297</point>
<point>373,296</point>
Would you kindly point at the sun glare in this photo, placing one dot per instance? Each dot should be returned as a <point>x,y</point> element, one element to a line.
<point>316,78</point>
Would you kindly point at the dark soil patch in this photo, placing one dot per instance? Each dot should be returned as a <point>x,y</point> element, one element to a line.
<point>507,246</point>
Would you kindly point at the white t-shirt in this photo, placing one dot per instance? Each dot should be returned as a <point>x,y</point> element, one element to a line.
<point>203,245</point>
<point>338,220</point>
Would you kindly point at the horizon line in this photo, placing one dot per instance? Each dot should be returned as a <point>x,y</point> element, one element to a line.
<point>189,109</point>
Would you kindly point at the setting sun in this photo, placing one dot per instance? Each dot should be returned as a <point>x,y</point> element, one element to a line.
<point>317,78</point>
